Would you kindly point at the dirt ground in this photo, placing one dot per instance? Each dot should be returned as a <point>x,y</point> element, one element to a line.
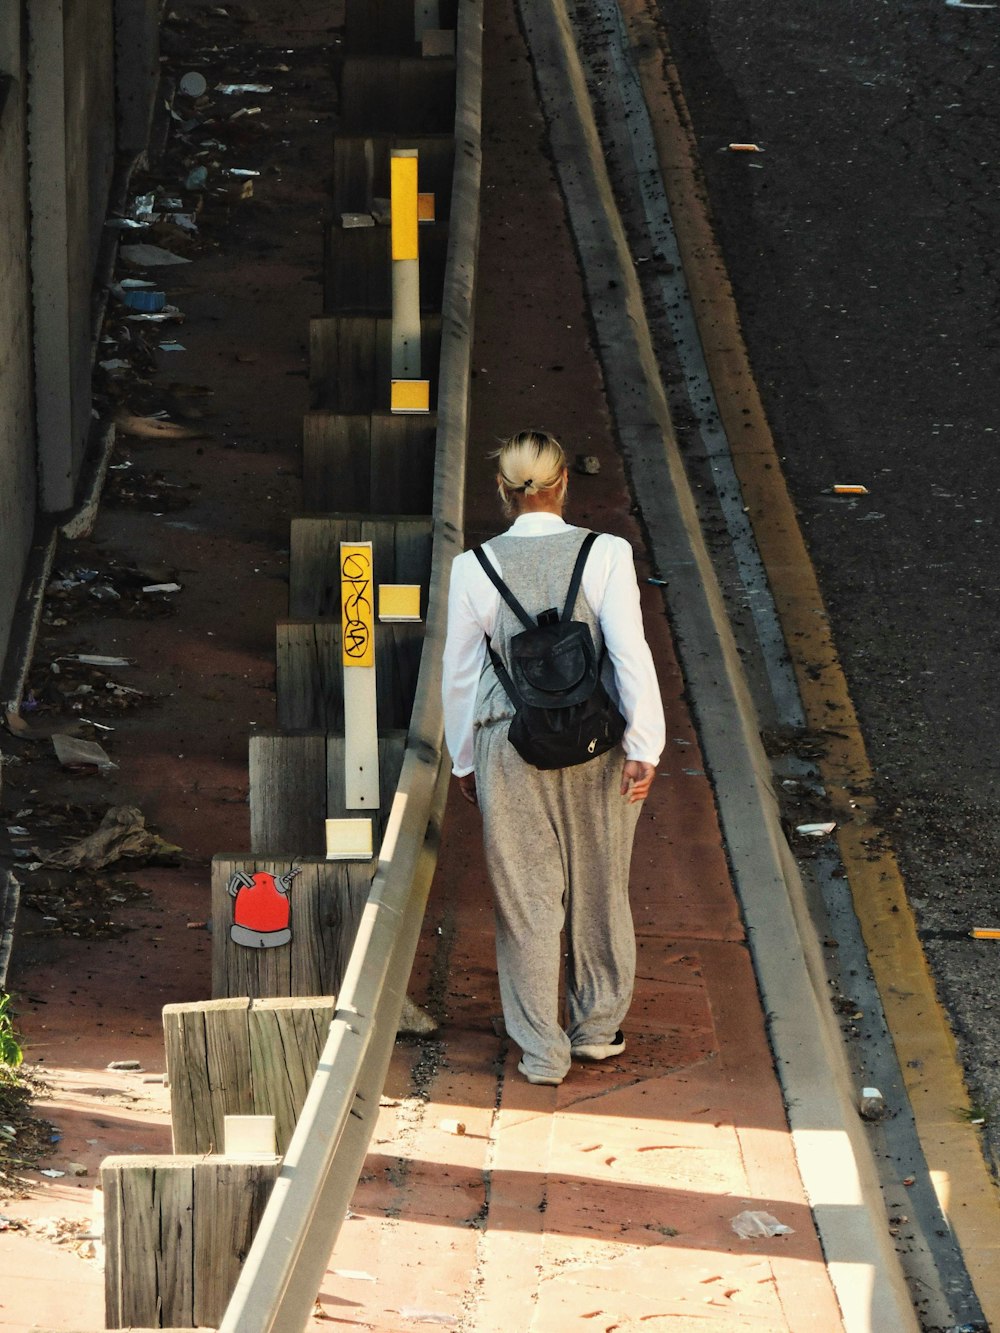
<point>203,502</point>
<point>202,496</point>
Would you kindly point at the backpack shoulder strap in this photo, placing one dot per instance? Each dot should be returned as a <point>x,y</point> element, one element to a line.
<point>577,578</point>
<point>527,621</point>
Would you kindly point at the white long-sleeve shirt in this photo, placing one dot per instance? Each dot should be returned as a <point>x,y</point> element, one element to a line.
<point>612,593</point>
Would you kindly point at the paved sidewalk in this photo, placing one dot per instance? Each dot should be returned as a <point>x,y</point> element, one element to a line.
<point>605,1203</point>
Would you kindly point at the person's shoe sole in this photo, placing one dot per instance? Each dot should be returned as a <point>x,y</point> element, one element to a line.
<point>600,1052</point>
<point>545,1080</point>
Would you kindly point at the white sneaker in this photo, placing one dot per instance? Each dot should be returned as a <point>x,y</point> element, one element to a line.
<point>613,1047</point>
<point>548,1080</point>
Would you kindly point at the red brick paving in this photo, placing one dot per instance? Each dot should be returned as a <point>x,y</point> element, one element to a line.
<point>607,1201</point>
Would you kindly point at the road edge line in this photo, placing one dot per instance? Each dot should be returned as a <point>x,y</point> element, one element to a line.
<point>924,1041</point>
<point>835,1159</point>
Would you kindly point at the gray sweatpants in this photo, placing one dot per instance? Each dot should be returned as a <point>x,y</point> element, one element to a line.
<point>558,846</point>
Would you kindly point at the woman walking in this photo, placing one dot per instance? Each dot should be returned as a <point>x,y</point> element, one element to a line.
<point>558,841</point>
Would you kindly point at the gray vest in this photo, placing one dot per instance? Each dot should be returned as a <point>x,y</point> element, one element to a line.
<point>537,570</point>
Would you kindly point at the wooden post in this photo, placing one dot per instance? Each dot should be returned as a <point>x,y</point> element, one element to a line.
<point>297,784</point>
<point>241,1057</point>
<point>350,362</point>
<point>311,684</point>
<point>403,167</point>
<point>357,609</point>
<point>176,1232</point>
<point>326,899</point>
<point>377,461</point>
<point>401,547</point>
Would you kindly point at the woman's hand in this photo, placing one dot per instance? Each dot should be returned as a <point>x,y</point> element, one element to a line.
<point>467,786</point>
<point>637,778</point>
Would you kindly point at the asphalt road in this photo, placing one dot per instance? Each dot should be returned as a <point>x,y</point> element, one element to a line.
<point>862,247</point>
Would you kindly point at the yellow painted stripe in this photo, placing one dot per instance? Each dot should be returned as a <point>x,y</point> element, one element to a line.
<point>410,396</point>
<point>404,207</point>
<point>357,604</point>
<point>923,1038</point>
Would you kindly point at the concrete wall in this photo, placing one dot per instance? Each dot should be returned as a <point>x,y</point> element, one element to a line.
<point>78,84</point>
<point>137,39</point>
<point>17,447</point>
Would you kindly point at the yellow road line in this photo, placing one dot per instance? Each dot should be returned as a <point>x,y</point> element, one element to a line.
<point>925,1044</point>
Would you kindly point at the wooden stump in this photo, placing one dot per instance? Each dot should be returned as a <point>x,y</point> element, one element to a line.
<point>361,169</point>
<point>387,25</point>
<point>401,553</point>
<point>176,1233</point>
<point>297,783</point>
<point>310,683</point>
<point>241,1057</point>
<point>350,361</point>
<point>397,95</point>
<point>357,269</point>
<point>377,462</point>
<point>327,900</point>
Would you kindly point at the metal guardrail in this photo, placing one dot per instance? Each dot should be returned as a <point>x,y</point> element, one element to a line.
<point>285,1266</point>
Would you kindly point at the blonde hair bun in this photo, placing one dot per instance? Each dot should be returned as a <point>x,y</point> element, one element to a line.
<point>527,463</point>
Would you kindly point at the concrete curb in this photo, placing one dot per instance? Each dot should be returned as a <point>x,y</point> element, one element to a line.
<point>834,1158</point>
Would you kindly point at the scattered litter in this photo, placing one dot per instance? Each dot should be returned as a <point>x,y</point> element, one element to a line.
<point>122,832</point>
<point>749,1225</point>
<point>193,84</point>
<point>172,347</point>
<point>168,312</point>
<point>196,925</point>
<point>985,933</point>
<point>588,465</point>
<point>872,1105</point>
<point>356,1274</point>
<point>909,1180</point>
<point>17,831</point>
<point>52,1173</point>
<point>77,1169</point>
<point>116,363</point>
<point>693,772</point>
<point>144,208</point>
<point>125,224</point>
<point>125,1064</point>
<point>657,583</point>
<point>162,587</point>
<point>74,753</point>
<point>196,178</point>
<point>414,1021</point>
<point>850,490</point>
<point>144,299</point>
<point>234,89</point>
<point>130,283</point>
<point>246,111</point>
<point>185,221</point>
<point>745,148</point>
<point>417,1316</point>
<point>353,220</point>
<point>155,428</point>
<point>96,659</point>
<point>453,1126</point>
<point>815,830</point>
<point>150,256</point>
<point>241,171</point>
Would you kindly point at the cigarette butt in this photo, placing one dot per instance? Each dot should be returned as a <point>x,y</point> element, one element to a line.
<point>985,933</point>
<point>850,490</point>
<point>453,1126</point>
<point>745,148</point>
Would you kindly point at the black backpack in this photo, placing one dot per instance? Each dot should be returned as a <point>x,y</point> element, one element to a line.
<point>563,715</point>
